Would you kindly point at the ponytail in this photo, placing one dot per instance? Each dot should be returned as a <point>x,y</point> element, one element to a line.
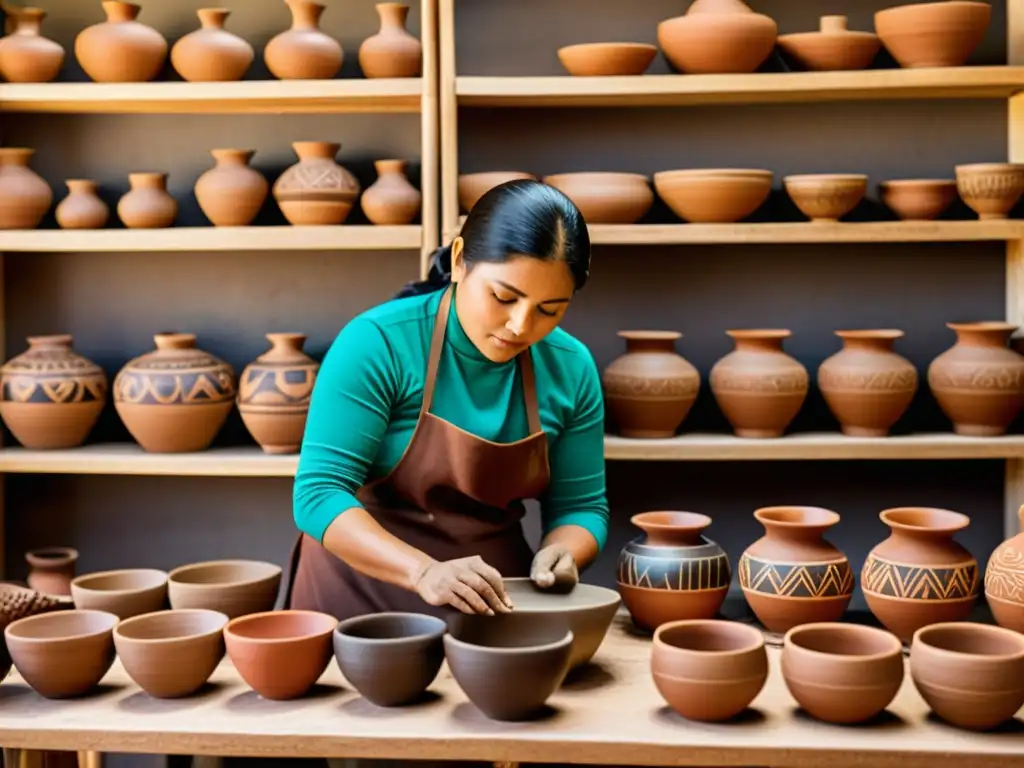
<point>439,276</point>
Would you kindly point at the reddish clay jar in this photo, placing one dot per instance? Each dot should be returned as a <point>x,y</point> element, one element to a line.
<point>231,193</point>
<point>51,570</point>
<point>304,52</point>
<point>211,53</point>
<point>121,49</point>
<point>1004,580</point>
<point>82,208</point>
<point>25,55</point>
<point>391,199</point>
<point>148,204</point>
<point>717,37</point>
<point>393,51</point>
<point>24,196</point>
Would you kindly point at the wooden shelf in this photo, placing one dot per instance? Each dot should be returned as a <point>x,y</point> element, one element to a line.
<point>787,87</point>
<point>247,97</point>
<point>130,459</point>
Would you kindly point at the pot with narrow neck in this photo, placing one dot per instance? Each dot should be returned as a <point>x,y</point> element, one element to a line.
<point>393,51</point>
<point>717,37</point>
<point>148,204</point>
<point>25,55</point>
<point>211,53</point>
<point>316,190</point>
<point>304,51</point>
<point>1004,580</point>
<point>121,49</point>
<point>231,193</point>
<point>391,199</point>
<point>24,196</point>
<point>51,570</point>
<point>83,208</point>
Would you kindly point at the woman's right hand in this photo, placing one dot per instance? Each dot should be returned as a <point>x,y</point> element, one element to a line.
<point>467,584</point>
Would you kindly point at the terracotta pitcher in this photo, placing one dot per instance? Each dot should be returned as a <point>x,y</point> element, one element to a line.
<point>25,55</point>
<point>121,49</point>
<point>82,208</point>
<point>393,51</point>
<point>304,52</point>
<point>148,204</point>
<point>231,193</point>
<point>211,53</point>
<point>51,570</point>
<point>717,37</point>
<point>316,190</point>
<point>391,199</point>
<point>24,196</point>
<point>1004,580</point>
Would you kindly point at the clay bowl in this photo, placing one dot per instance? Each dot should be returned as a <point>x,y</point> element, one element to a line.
<point>588,611</point>
<point>842,673</point>
<point>390,658</point>
<point>708,670</point>
<point>713,195</point>
<point>971,675</point>
<point>170,654</point>
<point>607,59</point>
<point>605,197</point>
<point>933,34</point>
<point>280,654</point>
<point>473,186</point>
<point>124,593</point>
<point>832,48</point>
<point>918,199</point>
<point>826,197</point>
<point>62,654</point>
<point>509,675</point>
<point>991,190</point>
<point>232,587</point>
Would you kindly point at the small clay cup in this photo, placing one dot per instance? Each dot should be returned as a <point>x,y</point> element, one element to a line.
<point>170,654</point>
<point>232,587</point>
<point>62,654</point>
<point>390,658</point>
<point>125,593</point>
<point>826,197</point>
<point>607,59</point>
<point>709,670</point>
<point>842,673</point>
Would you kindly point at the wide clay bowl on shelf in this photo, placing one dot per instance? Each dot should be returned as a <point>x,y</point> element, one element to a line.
<point>826,196</point>
<point>280,654</point>
<point>508,674</point>
<point>232,587</point>
<point>170,654</point>
<point>832,48</point>
<point>587,610</point>
<point>62,654</point>
<point>918,199</point>
<point>125,593</point>
<point>607,59</point>
<point>713,195</point>
<point>991,190</point>
<point>708,670</point>
<point>933,34</point>
<point>473,186</point>
<point>842,673</point>
<point>606,197</point>
<point>390,658</point>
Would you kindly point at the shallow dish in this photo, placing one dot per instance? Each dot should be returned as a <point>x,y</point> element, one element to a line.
<point>607,59</point>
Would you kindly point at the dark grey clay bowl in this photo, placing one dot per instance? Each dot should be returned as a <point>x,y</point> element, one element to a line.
<point>390,658</point>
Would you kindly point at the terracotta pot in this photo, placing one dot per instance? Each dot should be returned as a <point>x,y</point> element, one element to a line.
<point>933,34</point>
<point>607,59</point>
<point>717,37</point>
<point>391,199</point>
<point>979,381</point>
<point>231,193</point>
<point>918,199</point>
<point>650,389</point>
<point>1004,580</point>
<point>82,208</point>
<point>473,186</point>
<point>124,593</point>
<point>826,197</point>
<point>211,53</point>
<point>51,569</point>
<point>24,196</point>
<point>316,190</point>
<point>393,51</point>
<point>759,388</point>
<point>920,575</point>
<point>174,399</point>
<point>713,195</point>
<point>274,392</point>
<point>304,52</point>
<point>25,55</point>
<point>148,204</point>
<point>833,47</point>
<point>866,385</point>
<point>708,670</point>
<point>793,575</point>
<point>672,571</point>
<point>50,396</point>
<point>232,587</point>
<point>991,190</point>
<point>121,49</point>
<point>606,198</point>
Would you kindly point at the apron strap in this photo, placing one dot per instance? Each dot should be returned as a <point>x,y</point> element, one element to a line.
<point>530,390</point>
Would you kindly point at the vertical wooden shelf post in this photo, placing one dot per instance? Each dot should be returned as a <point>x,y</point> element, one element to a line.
<point>1013,484</point>
<point>429,127</point>
<point>449,119</point>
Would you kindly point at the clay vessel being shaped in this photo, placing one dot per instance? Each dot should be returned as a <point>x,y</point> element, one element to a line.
<point>304,52</point>
<point>316,190</point>
<point>121,49</point>
<point>833,47</point>
<point>393,51</point>
<point>231,193</point>
<point>717,37</point>
<point>933,34</point>
<point>82,208</point>
<point>148,204</point>
<point>25,55</point>
<point>391,199</point>
<point>51,570</point>
<point>24,196</point>
<point>1004,580</point>
<point>211,53</point>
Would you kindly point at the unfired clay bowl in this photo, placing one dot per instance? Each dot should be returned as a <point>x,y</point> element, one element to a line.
<point>833,47</point>
<point>826,197</point>
<point>991,190</point>
<point>125,593</point>
<point>473,186</point>
<point>933,34</point>
<point>232,587</point>
<point>390,658</point>
<point>62,654</point>
<point>606,197</point>
<point>713,195</point>
<point>918,199</point>
<point>170,654</point>
<point>607,59</point>
<point>842,673</point>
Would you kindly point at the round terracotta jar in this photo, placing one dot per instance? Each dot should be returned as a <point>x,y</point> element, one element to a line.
<point>316,190</point>
<point>231,193</point>
<point>148,204</point>
<point>717,37</point>
<point>393,51</point>
<point>25,55</point>
<point>304,51</point>
<point>121,49</point>
<point>211,53</point>
<point>391,199</point>
<point>82,208</point>
<point>1004,580</point>
<point>51,570</point>
<point>24,196</point>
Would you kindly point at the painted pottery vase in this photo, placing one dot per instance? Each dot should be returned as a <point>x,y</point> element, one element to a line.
<point>867,385</point>
<point>1004,580</point>
<point>717,37</point>
<point>82,208</point>
<point>672,571</point>
<point>51,570</point>
<point>148,204</point>
<point>650,389</point>
<point>24,196</point>
<point>176,398</point>
<point>991,190</point>
<point>304,52</point>
<point>316,190</point>
<point>25,55</point>
<point>231,193</point>
<point>211,53</point>
<point>393,51</point>
<point>920,575</point>
<point>792,575</point>
<point>979,381</point>
<point>391,199</point>
<point>274,392</point>
<point>758,387</point>
<point>933,34</point>
<point>121,49</point>
<point>50,396</point>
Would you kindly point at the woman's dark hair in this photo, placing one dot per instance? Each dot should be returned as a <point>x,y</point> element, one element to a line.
<point>517,218</point>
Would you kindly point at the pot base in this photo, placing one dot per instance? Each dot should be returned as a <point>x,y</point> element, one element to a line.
<point>903,617</point>
<point>650,608</point>
<point>780,613</point>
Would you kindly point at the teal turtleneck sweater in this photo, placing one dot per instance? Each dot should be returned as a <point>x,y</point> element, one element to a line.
<point>368,394</point>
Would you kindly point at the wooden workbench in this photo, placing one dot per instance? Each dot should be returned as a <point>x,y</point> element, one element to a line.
<point>609,713</point>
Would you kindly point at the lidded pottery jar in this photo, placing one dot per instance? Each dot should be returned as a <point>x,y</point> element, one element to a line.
<point>1004,580</point>
<point>50,396</point>
<point>51,570</point>
<point>393,51</point>
<point>82,208</point>
<point>979,381</point>
<point>316,190</point>
<point>651,388</point>
<point>792,575</point>
<point>211,53</point>
<point>717,37</point>
<point>920,575</point>
<point>391,199</point>
<point>274,392</point>
<point>176,398</point>
<point>304,52</point>
<point>866,385</point>
<point>121,49</point>
<point>231,193</point>
<point>25,55</point>
<point>148,204</point>
<point>24,196</point>
<point>672,571</point>
<point>759,388</point>
<point>833,47</point>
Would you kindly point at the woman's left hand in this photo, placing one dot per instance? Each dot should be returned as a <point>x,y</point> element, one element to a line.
<point>554,569</point>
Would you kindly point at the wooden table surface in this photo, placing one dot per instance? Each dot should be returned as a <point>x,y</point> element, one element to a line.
<point>608,713</point>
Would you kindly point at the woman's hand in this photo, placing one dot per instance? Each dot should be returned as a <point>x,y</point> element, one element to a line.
<point>467,584</point>
<point>554,569</point>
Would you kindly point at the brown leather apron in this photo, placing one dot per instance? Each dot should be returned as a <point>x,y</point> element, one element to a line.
<point>451,495</point>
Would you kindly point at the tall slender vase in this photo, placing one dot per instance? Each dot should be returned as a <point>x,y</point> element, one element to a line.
<point>393,51</point>
<point>25,55</point>
<point>304,52</point>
